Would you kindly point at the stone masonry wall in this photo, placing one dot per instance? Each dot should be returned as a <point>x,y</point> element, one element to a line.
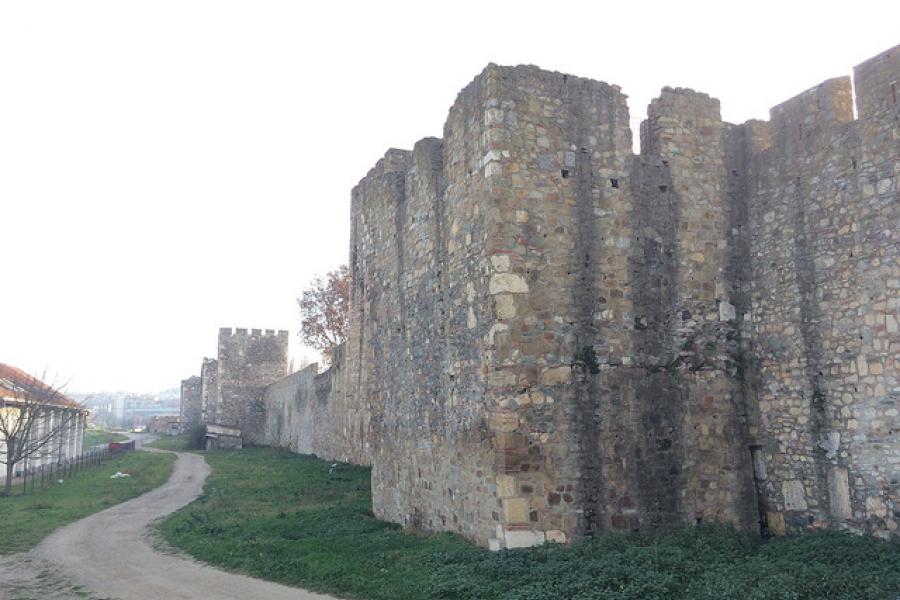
<point>190,403</point>
<point>209,382</point>
<point>308,413</point>
<point>824,214</point>
<point>248,361</point>
<point>551,336</point>
<point>518,337</point>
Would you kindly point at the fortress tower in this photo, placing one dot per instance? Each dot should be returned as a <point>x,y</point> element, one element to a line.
<point>228,395</point>
<point>553,336</point>
<point>248,361</point>
<point>209,390</point>
<point>190,404</point>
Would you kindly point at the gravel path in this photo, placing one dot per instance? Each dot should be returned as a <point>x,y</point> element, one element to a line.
<point>109,554</point>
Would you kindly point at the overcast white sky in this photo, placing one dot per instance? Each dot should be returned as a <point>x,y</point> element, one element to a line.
<point>170,167</point>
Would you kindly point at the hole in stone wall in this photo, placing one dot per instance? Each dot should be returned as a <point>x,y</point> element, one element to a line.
<point>894,92</point>
<point>564,173</point>
<point>663,188</point>
<point>734,172</point>
<point>614,182</point>
<point>853,163</point>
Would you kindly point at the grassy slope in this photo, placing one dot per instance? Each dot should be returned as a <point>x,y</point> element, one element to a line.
<point>283,517</point>
<point>28,519</point>
<point>96,437</point>
<point>176,443</point>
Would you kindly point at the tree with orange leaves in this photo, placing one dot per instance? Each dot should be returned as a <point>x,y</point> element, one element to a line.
<point>323,311</point>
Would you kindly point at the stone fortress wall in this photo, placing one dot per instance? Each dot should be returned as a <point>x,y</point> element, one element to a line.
<point>314,413</point>
<point>229,390</point>
<point>209,386</point>
<point>248,361</point>
<point>823,205</point>
<point>191,409</point>
<point>551,336</point>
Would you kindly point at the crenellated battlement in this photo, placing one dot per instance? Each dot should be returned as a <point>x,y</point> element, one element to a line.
<point>393,161</point>
<point>251,333</point>
<point>813,113</point>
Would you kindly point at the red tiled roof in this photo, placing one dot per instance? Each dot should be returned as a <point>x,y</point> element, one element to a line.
<point>16,384</point>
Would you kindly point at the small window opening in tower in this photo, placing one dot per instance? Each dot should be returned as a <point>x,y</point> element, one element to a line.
<point>894,92</point>
<point>663,188</point>
<point>614,182</point>
<point>565,173</point>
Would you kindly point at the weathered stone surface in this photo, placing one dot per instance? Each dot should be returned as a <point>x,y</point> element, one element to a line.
<point>229,391</point>
<point>209,390</point>
<point>551,336</point>
<point>191,404</point>
<point>824,279</point>
<point>839,492</point>
<point>248,361</point>
<point>794,495</point>
<point>508,282</point>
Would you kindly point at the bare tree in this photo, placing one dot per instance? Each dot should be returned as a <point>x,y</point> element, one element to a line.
<point>323,311</point>
<point>33,418</point>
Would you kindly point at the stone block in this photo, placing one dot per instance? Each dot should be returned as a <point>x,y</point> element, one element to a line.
<point>556,376</point>
<point>794,495</point>
<point>508,283</point>
<point>839,492</point>
<point>515,510</point>
<point>523,538</point>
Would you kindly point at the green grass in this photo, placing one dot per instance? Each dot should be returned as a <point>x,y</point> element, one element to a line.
<point>177,443</point>
<point>29,518</point>
<point>283,517</point>
<point>96,437</point>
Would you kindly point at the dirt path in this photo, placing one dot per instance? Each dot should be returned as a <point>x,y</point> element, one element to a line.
<point>109,553</point>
